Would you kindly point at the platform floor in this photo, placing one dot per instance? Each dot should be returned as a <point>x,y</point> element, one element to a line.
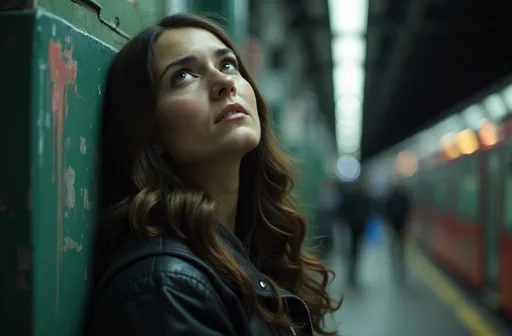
<point>428,304</point>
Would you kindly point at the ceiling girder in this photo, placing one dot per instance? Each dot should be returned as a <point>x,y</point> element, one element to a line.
<point>399,54</point>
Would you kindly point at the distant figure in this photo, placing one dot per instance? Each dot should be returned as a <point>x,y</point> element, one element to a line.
<point>355,210</point>
<point>397,210</point>
<point>329,200</point>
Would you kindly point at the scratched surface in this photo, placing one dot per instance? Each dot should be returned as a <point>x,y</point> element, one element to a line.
<point>68,71</point>
<point>50,87</point>
<point>120,17</point>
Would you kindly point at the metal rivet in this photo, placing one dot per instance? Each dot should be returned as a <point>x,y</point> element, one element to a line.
<point>262,284</point>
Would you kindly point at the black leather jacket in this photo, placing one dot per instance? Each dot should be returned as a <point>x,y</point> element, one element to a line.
<point>159,287</point>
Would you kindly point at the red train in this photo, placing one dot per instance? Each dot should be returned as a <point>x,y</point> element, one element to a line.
<point>459,173</point>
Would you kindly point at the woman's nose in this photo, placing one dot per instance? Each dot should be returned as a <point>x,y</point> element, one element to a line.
<point>223,87</point>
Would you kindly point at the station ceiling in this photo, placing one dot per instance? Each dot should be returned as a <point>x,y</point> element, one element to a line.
<point>424,57</point>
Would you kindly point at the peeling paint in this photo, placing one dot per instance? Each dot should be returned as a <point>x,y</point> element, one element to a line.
<point>63,72</point>
<point>48,120</point>
<point>41,114</point>
<point>67,143</point>
<point>85,194</point>
<point>71,244</point>
<point>83,146</point>
<point>69,178</point>
<point>40,148</point>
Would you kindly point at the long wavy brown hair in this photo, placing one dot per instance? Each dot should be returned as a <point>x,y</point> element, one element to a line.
<point>137,179</point>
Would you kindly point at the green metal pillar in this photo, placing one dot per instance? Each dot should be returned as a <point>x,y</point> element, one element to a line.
<point>231,14</point>
<point>53,61</point>
<point>51,92</point>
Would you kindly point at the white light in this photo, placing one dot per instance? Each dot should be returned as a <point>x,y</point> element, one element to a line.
<point>351,139</point>
<point>348,48</point>
<point>507,96</point>
<point>473,115</point>
<point>348,147</point>
<point>351,103</point>
<point>349,129</point>
<point>495,106</point>
<point>348,24</point>
<point>351,134</point>
<point>342,123</point>
<point>348,168</point>
<point>348,16</point>
<point>348,79</point>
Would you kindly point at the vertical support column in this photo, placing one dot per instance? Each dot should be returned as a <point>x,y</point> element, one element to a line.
<point>51,93</point>
<point>233,15</point>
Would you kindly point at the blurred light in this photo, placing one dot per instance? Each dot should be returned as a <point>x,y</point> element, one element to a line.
<point>348,147</point>
<point>488,134</point>
<point>473,116</point>
<point>348,80</point>
<point>406,163</point>
<point>348,48</point>
<point>348,16</point>
<point>348,168</point>
<point>348,102</point>
<point>496,107</point>
<point>467,141</point>
<point>348,25</point>
<point>449,146</point>
<point>507,96</point>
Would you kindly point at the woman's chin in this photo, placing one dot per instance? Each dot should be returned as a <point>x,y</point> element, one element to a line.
<point>241,141</point>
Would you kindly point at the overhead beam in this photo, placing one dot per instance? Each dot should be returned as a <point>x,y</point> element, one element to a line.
<point>457,27</point>
<point>397,58</point>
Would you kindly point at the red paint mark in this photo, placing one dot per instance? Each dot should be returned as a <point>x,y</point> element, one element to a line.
<point>63,75</point>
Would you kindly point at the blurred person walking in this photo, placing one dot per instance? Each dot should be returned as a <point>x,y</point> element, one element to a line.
<point>355,211</point>
<point>397,210</point>
<point>329,200</point>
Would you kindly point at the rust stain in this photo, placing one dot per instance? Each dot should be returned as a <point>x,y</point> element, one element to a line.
<point>63,70</point>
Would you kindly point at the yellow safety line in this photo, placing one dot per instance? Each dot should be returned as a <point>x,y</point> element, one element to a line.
<point>466,312</point>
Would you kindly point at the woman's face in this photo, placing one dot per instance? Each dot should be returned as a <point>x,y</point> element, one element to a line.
<point>205,109</point>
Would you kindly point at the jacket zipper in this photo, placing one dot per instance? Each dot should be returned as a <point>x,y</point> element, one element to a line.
<point>245,255</point>
<point>307,309</point>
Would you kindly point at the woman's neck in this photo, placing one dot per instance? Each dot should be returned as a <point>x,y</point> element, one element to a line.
<point>220,181</point>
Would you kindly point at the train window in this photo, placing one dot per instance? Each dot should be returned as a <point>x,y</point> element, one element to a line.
<point>440,192</point>
<point>468,193</point>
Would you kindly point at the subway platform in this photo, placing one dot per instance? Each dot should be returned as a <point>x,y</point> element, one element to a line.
<point>429,303</point>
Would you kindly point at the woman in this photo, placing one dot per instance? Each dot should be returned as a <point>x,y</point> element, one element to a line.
<point>201,236</point>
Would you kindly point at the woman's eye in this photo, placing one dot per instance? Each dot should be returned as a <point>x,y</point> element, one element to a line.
<point>180,77</point>
<point>229,65</point>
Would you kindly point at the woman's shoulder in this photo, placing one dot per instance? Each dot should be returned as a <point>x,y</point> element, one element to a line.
<point>159,286</point>
<point>142,266</point>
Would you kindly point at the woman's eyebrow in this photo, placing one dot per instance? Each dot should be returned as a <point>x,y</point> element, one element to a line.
<point>192,58</point>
